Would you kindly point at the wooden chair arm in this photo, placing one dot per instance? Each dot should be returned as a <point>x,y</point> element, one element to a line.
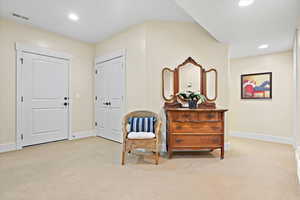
<point>124,128</point>
<point>158,131</point>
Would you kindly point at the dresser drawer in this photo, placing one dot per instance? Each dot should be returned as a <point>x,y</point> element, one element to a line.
<point>209,116</point>
<point>183,116</point>
<point>196,140</point>
<point>194,116</point>
<point>196,127</point>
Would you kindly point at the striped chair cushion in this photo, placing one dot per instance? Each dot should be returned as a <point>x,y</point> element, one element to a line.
<point>141,124</point>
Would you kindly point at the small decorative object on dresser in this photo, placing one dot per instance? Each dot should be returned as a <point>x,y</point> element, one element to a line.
<point>201,127</point>
<point>193,98</point>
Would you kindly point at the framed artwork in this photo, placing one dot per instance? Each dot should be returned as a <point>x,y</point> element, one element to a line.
<point>256,86</point>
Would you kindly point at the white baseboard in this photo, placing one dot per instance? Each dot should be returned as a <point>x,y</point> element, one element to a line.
<point>83,134</point>
<point>227,146</point>
<point>75,135</point>
<point>297,154</point>
<point>262,137</point>
<point>7,147</point>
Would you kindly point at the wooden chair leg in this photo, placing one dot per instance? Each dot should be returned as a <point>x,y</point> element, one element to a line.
<point>156,157</point>
<point>123,153</point>
<point>123,157</point>
<point>157,154</point>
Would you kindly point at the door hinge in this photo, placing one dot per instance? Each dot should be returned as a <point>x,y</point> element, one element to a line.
<point>22,137</point>
<point>96,71</point>
<point>96,98</point>
<point>96,124</point>
<point>22,98</point>
<point>22,60</point>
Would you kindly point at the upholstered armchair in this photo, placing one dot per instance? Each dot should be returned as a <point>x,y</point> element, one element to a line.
<point>150,140</point>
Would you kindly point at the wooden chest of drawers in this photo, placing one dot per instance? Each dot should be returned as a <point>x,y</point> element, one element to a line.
<point>195,129</point>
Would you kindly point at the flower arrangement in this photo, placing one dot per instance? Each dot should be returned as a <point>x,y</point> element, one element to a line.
<point>193,98</point>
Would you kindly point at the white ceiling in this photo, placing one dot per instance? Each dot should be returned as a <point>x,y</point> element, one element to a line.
<point>270,22</point>
<point>98,18</point>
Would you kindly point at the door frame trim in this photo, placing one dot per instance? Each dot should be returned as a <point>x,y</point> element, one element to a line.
<point>106,57</point>
<point>23,48</point>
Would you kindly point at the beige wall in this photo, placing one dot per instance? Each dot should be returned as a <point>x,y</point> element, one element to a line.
<point>298,68</point>
<point>296,96</point>
<point>269,117</point>
<point>81,74</point>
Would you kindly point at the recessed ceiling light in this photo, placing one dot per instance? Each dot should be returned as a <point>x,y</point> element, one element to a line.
<point>244,3</point>
<point>263,46</point>
<point>73,17</point>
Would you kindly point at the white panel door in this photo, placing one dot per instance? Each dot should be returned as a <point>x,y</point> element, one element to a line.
<point>109,102</point>
<point>101,103</point>
<point>115,94</point>
<point>45,107</point>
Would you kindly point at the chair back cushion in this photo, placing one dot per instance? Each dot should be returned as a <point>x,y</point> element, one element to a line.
<point>141,124</point>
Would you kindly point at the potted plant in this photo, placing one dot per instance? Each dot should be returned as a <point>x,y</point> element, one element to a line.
<point>193,98</point>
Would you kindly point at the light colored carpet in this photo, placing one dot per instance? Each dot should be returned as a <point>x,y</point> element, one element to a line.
<point>90,169</point>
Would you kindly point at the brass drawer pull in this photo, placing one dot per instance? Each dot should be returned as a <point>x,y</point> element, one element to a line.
<point>178,127</point>
<point>185,115</point>
<point>215,128</point>
<point>216,140</point>
<point>178,140</point>
<point>210,115</point>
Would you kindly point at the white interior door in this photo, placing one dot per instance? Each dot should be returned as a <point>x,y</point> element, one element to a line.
<point>101,105</point>
<point>45,109</point>
<point>109,98</point>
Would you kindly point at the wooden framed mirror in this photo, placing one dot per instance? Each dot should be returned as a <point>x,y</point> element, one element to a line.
<point>211,77</point>
<point>189,76</point>
<point>168,84</point>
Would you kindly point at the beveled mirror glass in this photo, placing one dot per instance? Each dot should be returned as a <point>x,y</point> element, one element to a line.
<point>168,84</point>
<point>211,84</point>
<point>189,78</point>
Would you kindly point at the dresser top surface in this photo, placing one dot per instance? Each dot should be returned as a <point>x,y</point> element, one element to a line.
<point>196,110</point>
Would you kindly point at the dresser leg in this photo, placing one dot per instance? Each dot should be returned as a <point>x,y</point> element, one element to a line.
<point>222,153</point>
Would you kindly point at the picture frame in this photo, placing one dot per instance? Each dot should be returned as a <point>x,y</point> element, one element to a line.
<point>256,86</point>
